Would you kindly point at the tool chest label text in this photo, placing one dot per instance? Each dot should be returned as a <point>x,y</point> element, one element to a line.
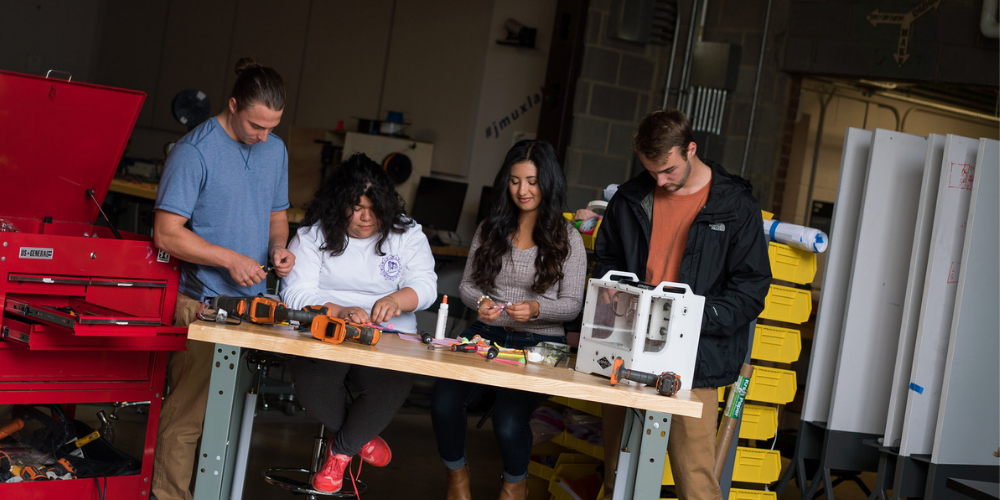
<point>35,253</point>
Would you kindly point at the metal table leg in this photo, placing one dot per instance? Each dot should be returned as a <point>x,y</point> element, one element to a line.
<point>644,453</point>
<point>223,416</point>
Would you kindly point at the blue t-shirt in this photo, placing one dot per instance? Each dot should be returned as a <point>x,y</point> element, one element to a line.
<point>227,191</point>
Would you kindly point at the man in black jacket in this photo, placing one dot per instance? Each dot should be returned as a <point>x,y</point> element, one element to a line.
<point>688,220</point>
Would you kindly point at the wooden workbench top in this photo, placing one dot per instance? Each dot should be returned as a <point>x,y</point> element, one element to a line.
<point>394,353</point>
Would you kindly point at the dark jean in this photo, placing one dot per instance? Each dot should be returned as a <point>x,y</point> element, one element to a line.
<point>512,409</point>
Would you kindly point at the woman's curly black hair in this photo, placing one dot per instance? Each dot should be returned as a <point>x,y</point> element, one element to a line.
<point>549,234</point>
<point>334,202</point>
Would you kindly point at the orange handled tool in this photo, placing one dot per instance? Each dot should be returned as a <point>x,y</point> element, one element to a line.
<point>12,427</point>
<point>264,310</point>
<point>666,383</point>
<point>336,330</point>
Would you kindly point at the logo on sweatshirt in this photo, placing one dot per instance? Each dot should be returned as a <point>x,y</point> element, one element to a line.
<point>391,267</point>
<point>718,226</point>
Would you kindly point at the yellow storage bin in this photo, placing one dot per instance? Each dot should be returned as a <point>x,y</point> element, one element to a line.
<point>571,472</point>
<point>790,305</point>
<point>589,239</point>
<point>566,439</point>
<point>741,494</point>
<point>791,264</point>
<point>668,475</point>
<point>771,385</point>
<point>758,422</point>
<point>756,466</point>
<point>545,472</point>
<point>772,343</point>
<point>540,470</point>
<point>590,407</point>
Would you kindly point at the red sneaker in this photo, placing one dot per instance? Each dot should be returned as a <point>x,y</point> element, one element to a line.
<point>376,452</point>
<point>330,477</point>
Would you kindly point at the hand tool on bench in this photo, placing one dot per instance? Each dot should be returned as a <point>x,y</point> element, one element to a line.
<point>336,330</point>
<point>264,310</point>
<point>666,383</point>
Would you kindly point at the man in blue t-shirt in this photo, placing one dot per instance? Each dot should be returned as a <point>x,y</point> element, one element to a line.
<point>220,209</point>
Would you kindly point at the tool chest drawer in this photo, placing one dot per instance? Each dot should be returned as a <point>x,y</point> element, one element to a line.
<point>23,334</point>
<point>41,368</point>
<point>137,297</point>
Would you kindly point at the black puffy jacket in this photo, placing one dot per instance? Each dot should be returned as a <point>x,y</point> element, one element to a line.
<point>725,261</point>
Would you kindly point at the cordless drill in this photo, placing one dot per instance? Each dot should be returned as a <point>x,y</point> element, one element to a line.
<point>336,330</point>
<point>264,310</point>
<point>666,383</point>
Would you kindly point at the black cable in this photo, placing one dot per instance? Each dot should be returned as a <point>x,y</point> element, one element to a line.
<point>102,493</point>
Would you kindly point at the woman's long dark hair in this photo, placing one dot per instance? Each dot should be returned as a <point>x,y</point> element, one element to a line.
<point>550,229</point>
<point>334,202</point>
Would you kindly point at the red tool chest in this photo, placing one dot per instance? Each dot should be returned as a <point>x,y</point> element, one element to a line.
<point>86,314</point>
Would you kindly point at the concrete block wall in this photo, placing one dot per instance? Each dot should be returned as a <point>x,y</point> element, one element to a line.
<point>622,81</point>
<point>619,83</point>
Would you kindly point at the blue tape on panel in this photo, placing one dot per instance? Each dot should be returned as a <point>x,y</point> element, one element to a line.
<point>916,388</point>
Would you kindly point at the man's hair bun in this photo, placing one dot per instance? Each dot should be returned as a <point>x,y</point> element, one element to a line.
<point>246,63</point>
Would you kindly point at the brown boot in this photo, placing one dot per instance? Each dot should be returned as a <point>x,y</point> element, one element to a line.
<point>514,491</point>
<point>458,484</point>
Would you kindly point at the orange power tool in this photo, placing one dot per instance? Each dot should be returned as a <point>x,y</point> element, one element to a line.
<point>336,330</point>
<point>263,310</point>
<point>666,383</point>
<point>11,427</point>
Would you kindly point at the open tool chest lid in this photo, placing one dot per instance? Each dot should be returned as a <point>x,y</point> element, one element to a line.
<point>57,140</point>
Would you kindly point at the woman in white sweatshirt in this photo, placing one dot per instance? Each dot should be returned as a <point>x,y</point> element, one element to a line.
<point>359,255</point>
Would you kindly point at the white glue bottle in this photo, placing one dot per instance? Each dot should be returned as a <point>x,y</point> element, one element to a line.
<point>442,323</point>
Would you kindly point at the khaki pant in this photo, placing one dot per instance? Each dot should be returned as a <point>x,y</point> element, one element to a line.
<point>183,411</point>
<point>691,447</point>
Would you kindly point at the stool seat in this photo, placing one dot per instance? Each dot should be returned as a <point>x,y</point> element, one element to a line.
<point>289,480</point>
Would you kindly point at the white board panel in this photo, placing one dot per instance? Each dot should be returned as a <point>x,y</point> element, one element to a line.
<point>863,378</point>
<point>926,208</point>
<point>839,259</point>
<point>968,423</point>
<point>923,384</point>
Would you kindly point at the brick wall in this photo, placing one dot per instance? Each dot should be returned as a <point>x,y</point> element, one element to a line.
<point>622,81</point>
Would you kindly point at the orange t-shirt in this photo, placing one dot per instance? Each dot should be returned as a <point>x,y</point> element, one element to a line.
<point>672,218</point>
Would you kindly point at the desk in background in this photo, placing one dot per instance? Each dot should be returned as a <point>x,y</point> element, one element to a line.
<point>138,189</point>
<point>230,380</point>
<point>129,205</point>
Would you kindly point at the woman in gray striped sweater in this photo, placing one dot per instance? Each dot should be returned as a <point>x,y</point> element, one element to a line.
<point>525,276</point>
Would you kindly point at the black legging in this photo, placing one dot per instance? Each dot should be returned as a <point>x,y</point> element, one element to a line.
<point>320,388</point>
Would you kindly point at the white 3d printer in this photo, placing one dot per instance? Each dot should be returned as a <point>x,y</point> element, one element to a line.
<point>654,328</point>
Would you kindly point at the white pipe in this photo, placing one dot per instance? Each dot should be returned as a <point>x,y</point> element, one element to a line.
<point>801,237</point>
<point>988,20</point>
